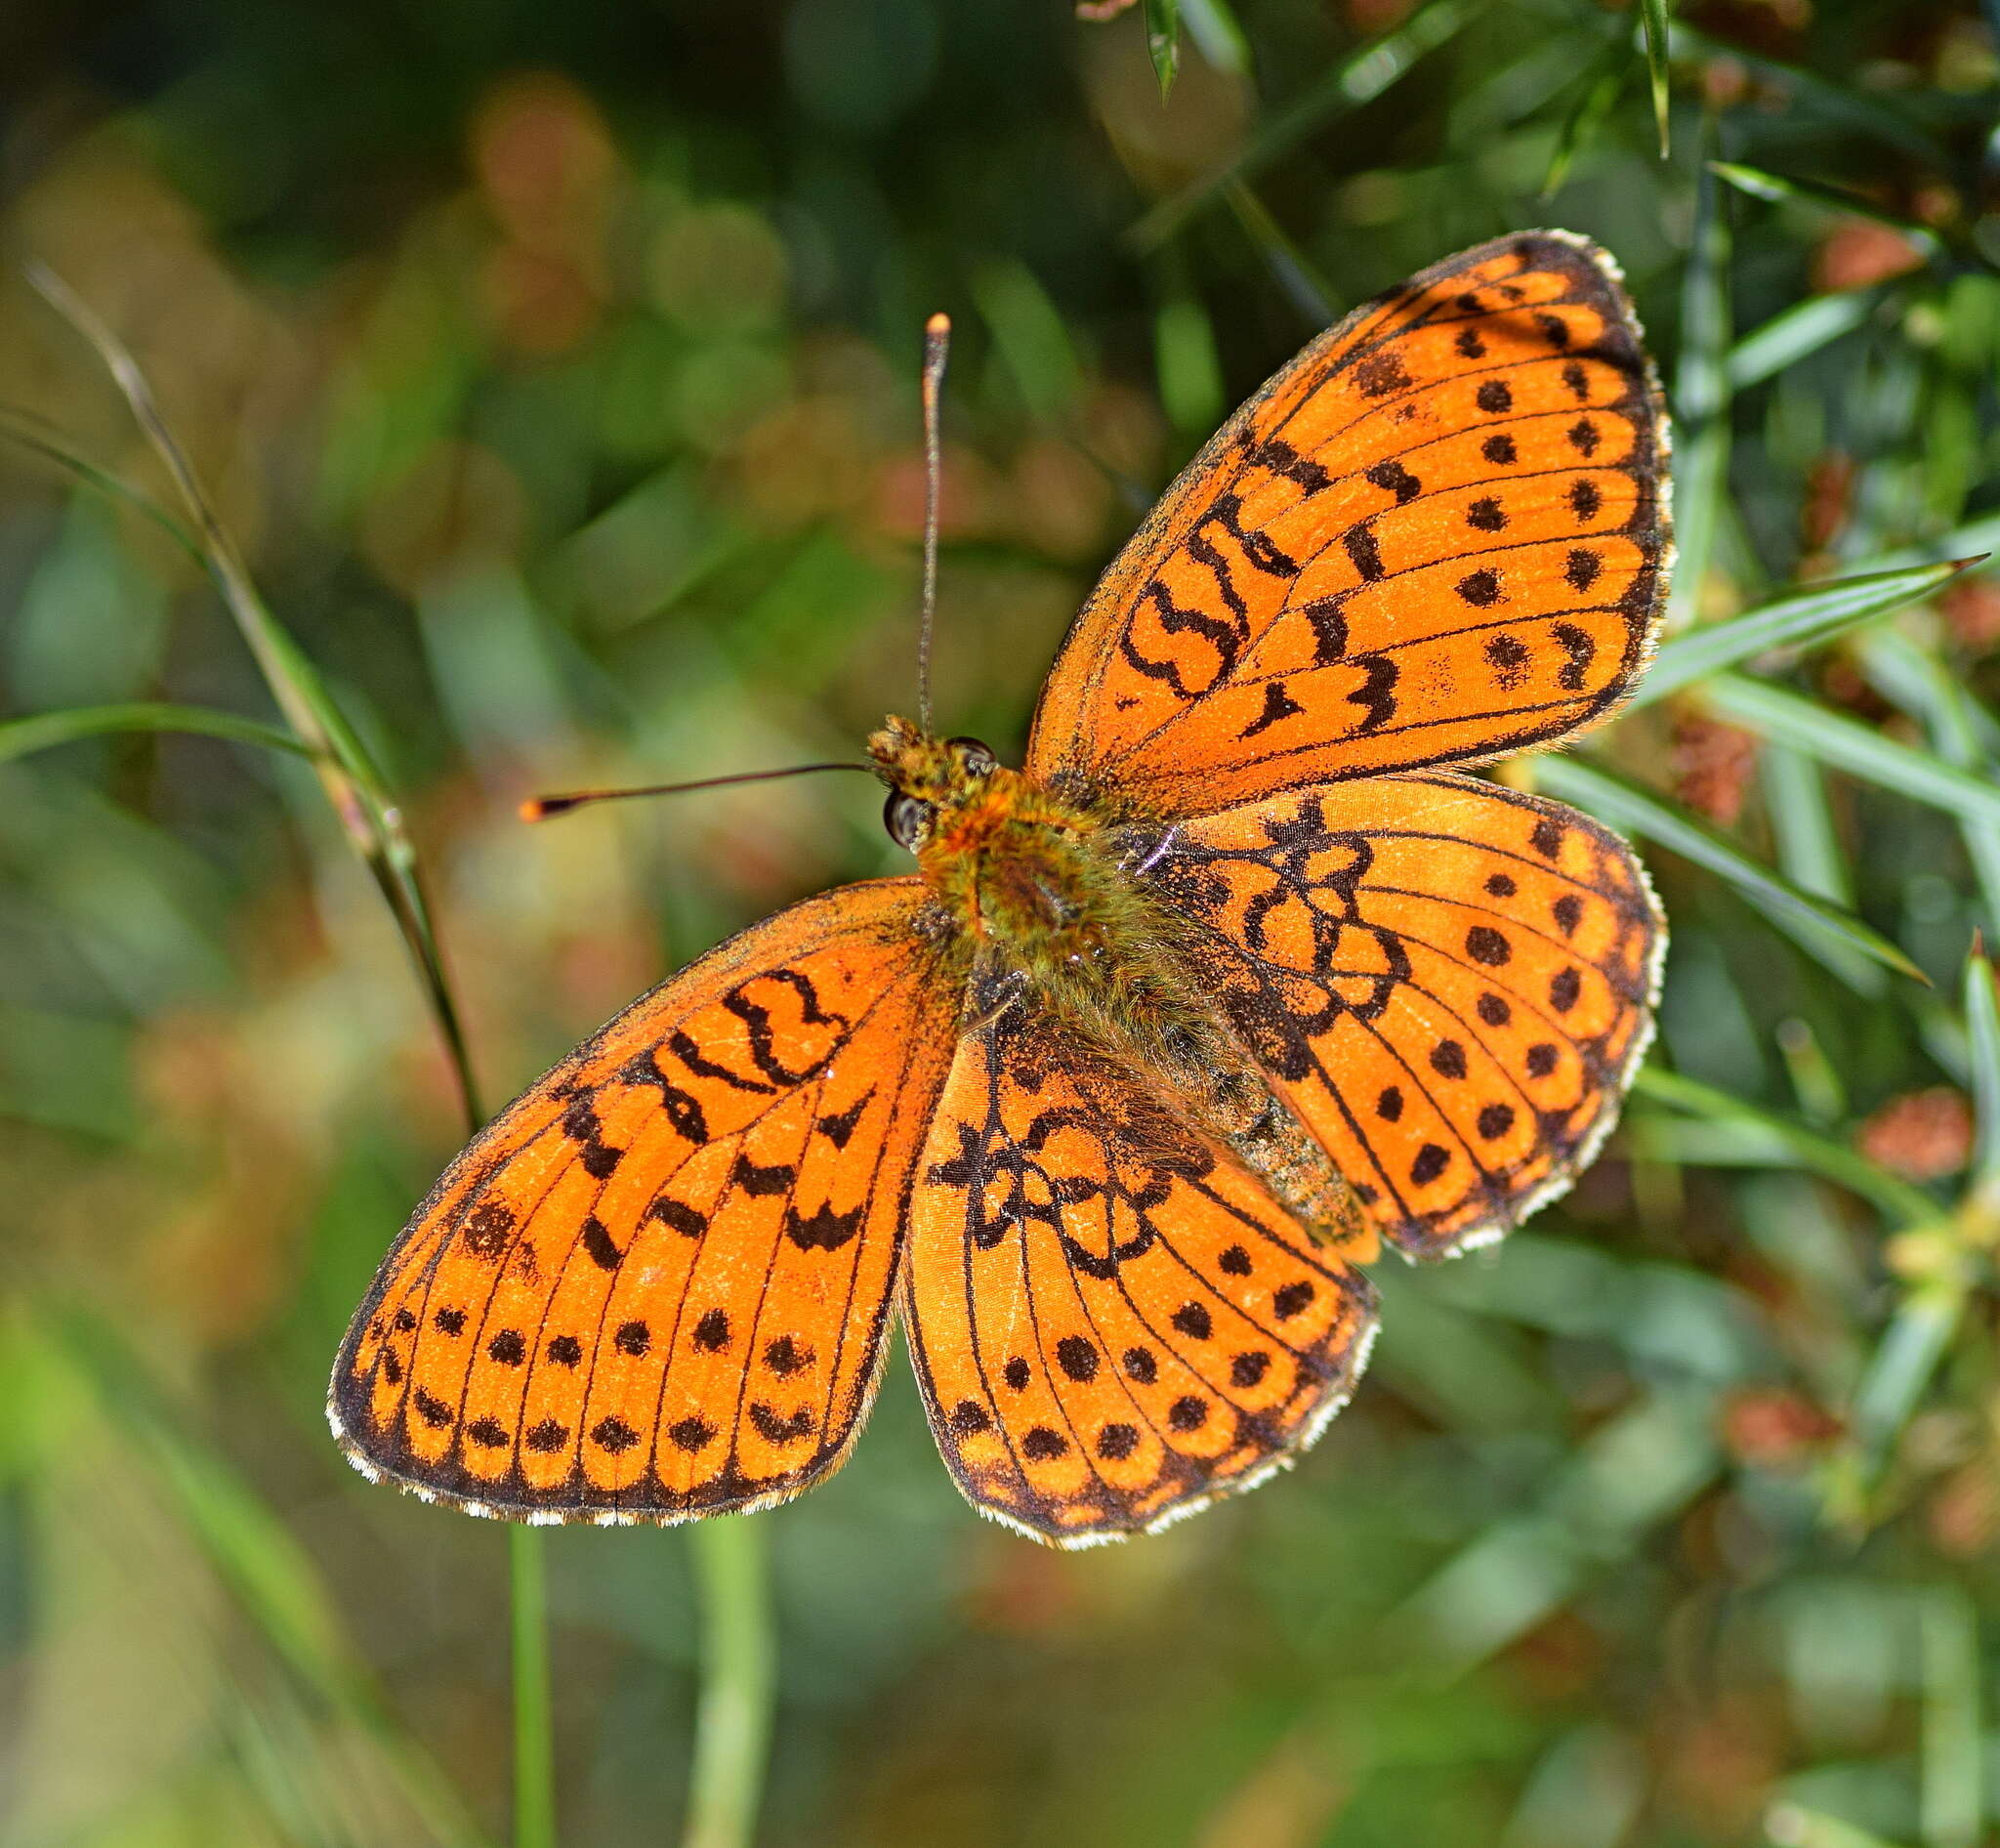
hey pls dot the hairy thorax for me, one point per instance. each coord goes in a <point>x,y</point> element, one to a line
<point>1048,894</point>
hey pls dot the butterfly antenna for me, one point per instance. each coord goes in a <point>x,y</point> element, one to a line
<point>543,808</point>
<point>936,344</point>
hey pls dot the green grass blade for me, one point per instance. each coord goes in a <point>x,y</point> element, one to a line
<point>1797,1827</point>
<point>1188,367</point>
<point>24,428</point>
<point>1797,619</point>
<point>1777,188</point>
<point>1027,329</point>
<point>1952,1790</point>
<point>1588,115</point>
<point>1797,332</point>
<point>1216,31</point>
<point>1973,538</point>
<point>1163,42</point>
<point>732,1729</point>
<point>1635,1471</point>
<point>535,1756</point>
<point>1983,1035</point>
<point>1702,398</point>
<point>1653,13</point>
<point>1789,1144</point>
<point>299,692</point>
<point>1846,744</point>
<point>266,1572</point>
<point>1902,1365</point>
<point>1919,681</point>
<point>355,788</point>
<point>1637,810</point>
<point>42,731</point>
<point>1359,77</point>
<point>1870,112</point>
<point>1809,851</point>
<point>1962,732</point>
<point>371,818</point>
<point>1306,291</point>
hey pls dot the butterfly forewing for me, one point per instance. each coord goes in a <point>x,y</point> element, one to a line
<point>1112,1322</point>
<point>1439,535</point>
<point>658,1283</point>
<point>1448,982</point>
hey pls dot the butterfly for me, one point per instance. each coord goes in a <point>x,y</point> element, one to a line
<point>1240,976</point>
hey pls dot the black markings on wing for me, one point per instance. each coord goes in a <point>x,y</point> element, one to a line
<point>1277,704</point>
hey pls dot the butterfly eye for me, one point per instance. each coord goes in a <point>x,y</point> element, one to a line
<point>907,818</point>
<point>977,759</point>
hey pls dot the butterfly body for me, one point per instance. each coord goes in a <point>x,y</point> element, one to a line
<point>1239,974</point>
<point>1044,896</point>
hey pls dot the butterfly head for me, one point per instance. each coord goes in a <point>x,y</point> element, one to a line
<point>928,777</point>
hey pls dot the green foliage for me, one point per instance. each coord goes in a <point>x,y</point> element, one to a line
<point>526,398</point>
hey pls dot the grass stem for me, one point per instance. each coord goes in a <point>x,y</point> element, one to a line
<point>738,1677</point>
<point>535,1746</point>
<point>373,824</point>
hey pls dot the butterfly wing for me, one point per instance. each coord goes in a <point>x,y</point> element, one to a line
<point>1439,535</point>
<point>657,1284</point>
<point>1112,1323</point>
<point>1448,982</point>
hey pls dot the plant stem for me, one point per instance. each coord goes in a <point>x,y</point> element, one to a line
<point>739,1676</point>
<point>373,823</point>
<point>534,1752</point>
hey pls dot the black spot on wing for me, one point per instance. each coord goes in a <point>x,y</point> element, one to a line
<point>598,1245</point>
<point>1281,458</point>
<point>1376,696</point>
<point>823,1229</point>
<point>839,1126</point>
<point>1329,629</point>
<point>1382,373</point>
<point>1508,656</point>
<point>1394,479</point>
<point>1580,649</point>
<point>1277,704</point>
<point>762,1182</point>
<point>487,1228</point>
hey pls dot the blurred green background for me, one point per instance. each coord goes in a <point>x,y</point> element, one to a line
<point>555,370</point>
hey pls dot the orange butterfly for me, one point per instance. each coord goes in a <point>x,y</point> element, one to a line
<point>1234,978</point>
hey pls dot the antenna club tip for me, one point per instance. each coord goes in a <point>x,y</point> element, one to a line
<point>540,807</point>
<point>939,325</point>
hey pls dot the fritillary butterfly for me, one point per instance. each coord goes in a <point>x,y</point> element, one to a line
<point>1239,976</point>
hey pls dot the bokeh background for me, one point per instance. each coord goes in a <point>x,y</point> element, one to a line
<point>555,370</point>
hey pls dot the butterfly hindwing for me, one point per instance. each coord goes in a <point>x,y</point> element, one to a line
<point>1448,982</point>
<point>1112,1322</point>
<point>1439,535</point>
<point>658,1283</point>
